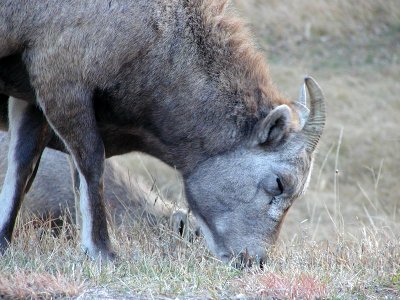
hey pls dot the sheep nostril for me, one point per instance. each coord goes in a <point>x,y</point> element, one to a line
<point>271,201</point>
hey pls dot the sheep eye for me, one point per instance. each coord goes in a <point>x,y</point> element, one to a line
<point>280,185</point>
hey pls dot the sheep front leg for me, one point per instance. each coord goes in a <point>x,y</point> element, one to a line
<point>70,114</point>
<point>29,134</point>
<point>75,189</point>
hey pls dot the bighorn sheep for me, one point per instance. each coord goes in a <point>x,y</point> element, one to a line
<point>178,79</point>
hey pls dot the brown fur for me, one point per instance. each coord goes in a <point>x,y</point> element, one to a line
<point>230,53</point>
<point>221,47</point>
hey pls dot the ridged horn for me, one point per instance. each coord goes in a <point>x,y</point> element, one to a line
<point>315,124</point>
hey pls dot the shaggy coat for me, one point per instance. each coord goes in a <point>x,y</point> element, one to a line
<point>158,50</point>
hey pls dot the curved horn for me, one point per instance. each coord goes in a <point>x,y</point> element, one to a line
<point>301,106</point>
<point>316,121</point>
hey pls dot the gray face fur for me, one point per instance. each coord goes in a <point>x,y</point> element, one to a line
<point>240,198</point>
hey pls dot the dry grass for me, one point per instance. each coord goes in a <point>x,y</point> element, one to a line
<point>155,263</point>
<point>346,267</point>
<point>25,285</point>
<point>341,241</point>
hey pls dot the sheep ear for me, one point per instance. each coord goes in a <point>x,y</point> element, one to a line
<point>273,129</point>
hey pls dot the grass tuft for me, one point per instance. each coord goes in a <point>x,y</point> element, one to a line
<point>21,284</point>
